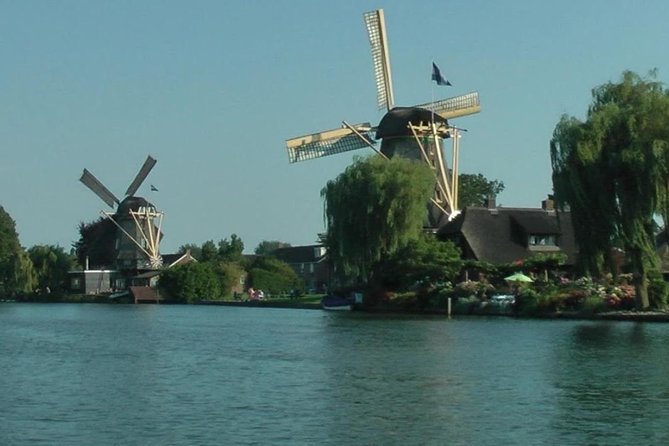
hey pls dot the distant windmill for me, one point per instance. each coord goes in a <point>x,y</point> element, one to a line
<point>137,221</point>
<point>414,132</point>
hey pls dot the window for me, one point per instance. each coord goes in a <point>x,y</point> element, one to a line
<point>542,240</point>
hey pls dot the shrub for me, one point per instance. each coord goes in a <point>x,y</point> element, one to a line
<point>593,304</point>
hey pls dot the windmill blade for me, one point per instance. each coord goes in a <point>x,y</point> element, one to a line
<point>330,142</point>
<point>464,105</point>
<point>376,30</point>
<point>141,175</point>
<point>98,188</point>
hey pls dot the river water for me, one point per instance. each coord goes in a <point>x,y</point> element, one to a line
<point>85,374</point>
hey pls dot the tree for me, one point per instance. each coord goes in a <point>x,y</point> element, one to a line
<point>267,247</point>
<point>231,250</point>
<point>16,272</point>
<point>208,251</point>
<point>475,189</point>
<point>273,275</point>
<point>612,171</point>
<point>228,273</point>
<point>96,243</point>
<point>51,265</point>
<point>375,207</point>
<point>190,282</point>
<point>424,260</point>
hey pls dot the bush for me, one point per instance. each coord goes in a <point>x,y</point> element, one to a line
<point>191,282</point>
<point>593,304</point>
<point>466,305</point>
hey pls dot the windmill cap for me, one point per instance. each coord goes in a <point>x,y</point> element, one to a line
<point>132,204</point>
<point>396,121</point>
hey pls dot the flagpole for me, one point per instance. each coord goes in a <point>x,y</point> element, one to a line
<point>432,102</point>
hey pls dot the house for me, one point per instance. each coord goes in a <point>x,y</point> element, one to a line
<point>95,281</point>
<point>309,263</point>
<point>501,235</point>
<point>101,281</point>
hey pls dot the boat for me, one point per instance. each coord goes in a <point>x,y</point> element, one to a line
<point>333,302</point>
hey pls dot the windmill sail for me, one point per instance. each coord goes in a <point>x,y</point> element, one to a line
<point>464,105</point>
<point>376,30</point>
<point>98,188</point>
<point>329,142</point>
<point>141,175</point>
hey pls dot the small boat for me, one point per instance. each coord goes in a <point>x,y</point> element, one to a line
<point>333,302</point>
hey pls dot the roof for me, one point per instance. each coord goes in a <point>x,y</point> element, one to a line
<point>175,259</point>
<point>396,121</point>
<point>300,254</point>
<point>500,235</point>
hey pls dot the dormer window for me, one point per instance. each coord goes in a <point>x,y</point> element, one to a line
<point>542,240</point>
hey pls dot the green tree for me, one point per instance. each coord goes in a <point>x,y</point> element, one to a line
<point>375,207</point>
<point>612,171</point>
<point>228,274</point>
<point>96,243</point>
<point>208,251</point>
<point>16,271</point>
<point>474,189</point>
<point>190,282</point>
<point>51,265</point>
<point>424,260</point>
<point>273,275</point>
<point>267,247</point>
<point>231,250</point>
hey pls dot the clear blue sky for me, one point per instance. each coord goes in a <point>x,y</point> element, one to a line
<point>212,89</point>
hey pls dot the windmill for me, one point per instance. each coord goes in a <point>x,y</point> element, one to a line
<point>415,132</point>
<point>138,223</point>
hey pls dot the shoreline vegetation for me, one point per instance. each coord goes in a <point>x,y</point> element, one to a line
<point>312,302</point>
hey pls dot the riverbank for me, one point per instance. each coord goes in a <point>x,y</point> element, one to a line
<point>313,303</point>
<point>295,304</point>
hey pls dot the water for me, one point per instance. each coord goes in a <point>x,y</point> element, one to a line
<point>178,375</point>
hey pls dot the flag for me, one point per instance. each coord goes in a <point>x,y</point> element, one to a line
<point>437,77</point>
<point>154,188</point>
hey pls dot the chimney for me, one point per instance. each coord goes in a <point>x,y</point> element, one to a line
<point>548,204</point>
<point>490,202</point>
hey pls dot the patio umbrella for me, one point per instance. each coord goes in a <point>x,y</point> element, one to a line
<point>518,277</point>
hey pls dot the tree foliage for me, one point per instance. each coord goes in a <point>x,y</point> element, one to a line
<point>375,207</point>
<point>190,282</point>
<point>96,242</point>
<point>51,265</point>
<point>612,170</point>
<point>267,247</point>
<point>474,189</point>
<point>273,275</point>
<point>231,250</point>
<point>16,271</point>
<point>425,260</point>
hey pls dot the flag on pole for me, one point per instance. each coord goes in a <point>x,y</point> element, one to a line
<point>437,77</point>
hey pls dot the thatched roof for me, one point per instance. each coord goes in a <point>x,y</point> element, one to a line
<point>500,235</point>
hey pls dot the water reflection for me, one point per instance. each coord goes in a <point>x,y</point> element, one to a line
<point>612,382</point>
<point>197,375</point>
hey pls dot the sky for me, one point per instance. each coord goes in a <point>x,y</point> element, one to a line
<point>212,89</point>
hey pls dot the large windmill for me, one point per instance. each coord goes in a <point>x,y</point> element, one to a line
<point>415,132</point>
<point>138,223</point>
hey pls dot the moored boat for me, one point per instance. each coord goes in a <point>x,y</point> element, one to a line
<point>336,303</point>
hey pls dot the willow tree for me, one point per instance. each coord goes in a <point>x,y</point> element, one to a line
<point>612,171</point>
<point>16,269</point>
<point>375,207</point>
